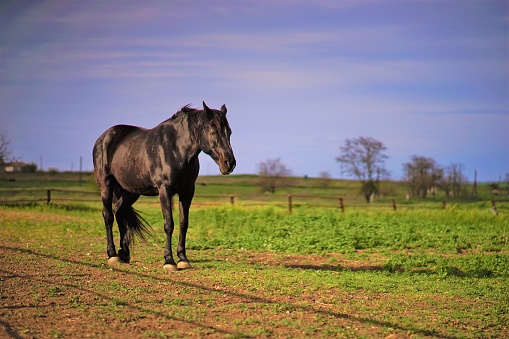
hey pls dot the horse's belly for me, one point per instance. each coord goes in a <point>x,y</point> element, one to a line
<point>135,183</point>
<point>151,191</point>
<point>138,187</point>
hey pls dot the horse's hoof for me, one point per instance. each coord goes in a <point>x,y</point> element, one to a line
<point>170,268</point>
<point>182,265</point>
<point>113,261</point>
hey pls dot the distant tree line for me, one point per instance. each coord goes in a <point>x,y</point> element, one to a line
<point>424,176</point>
<point>364,159</point>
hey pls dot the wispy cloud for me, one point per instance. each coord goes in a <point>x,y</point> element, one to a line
<point>413,75</point>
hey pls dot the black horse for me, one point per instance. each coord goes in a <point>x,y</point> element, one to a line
<point>130,161</point>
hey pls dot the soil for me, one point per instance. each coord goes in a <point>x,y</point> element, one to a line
<point>53,296</point>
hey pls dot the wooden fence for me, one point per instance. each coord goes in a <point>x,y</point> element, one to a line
<point>31,196</point>
<point>48,196</point>
<point>341,203</point>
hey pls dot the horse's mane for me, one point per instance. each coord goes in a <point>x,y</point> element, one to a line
<point>193,115</point>
<point>187,108</point>
<point>184,110</point>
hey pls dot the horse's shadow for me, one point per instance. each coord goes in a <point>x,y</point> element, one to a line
<point>337,268</point>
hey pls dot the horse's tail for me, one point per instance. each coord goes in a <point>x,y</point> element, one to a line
<point>135,225</point>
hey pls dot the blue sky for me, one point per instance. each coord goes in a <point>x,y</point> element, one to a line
<point>429,78</point>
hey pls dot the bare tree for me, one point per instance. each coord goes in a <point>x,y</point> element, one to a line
<point>273,174</point>
<point>453,179</point>
<point>5,152</point>
<point>422,174</point>
<point>325,179</point>
<point>364,159</point>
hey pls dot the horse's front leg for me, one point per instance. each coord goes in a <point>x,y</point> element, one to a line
<point>165,197</point>
<point>184,205</point>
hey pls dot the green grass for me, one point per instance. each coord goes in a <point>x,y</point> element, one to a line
<point>439,260</point>
<point>321,231</point>
<point>265,272</point>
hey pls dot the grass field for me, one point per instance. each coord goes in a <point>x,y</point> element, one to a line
<point>260,271</point>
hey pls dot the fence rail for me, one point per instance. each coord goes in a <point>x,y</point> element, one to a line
<point>21,196</point>
<point>48,196</point>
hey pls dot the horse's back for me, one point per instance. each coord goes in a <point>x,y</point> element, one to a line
<point>108,143</point>
<point>121,153</point>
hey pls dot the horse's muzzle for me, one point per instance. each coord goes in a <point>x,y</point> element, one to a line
<point>227,164</point>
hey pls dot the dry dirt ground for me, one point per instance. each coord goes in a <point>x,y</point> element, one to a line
<point>55,296</point>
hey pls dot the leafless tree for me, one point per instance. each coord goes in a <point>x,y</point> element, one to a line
<point>5,152</point>
<point>325,179</point>
<point>364,159</point>
<point>273,174</point>
<point>453,180</point>
<point>422,174</point>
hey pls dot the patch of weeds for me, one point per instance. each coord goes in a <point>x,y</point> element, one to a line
<point>54,333</point>
<point>176,302</point>
<point>502,306</point>
<point>40,314</point>
<point>333,261</point>
<point>259,332</point>
<point>203,332</point>
<point>36,297</point>
<point>110,286</point>
<point>118,302</point>
<point>335,332</point>
<point>155,334</point>
<point>487,266</point>
<point>221,319</point>
<point>206,301</point>
<point>394,265</point>
<point>237,335</point>
<point>243,307</point>
<point>75,301</point>
<point>187,313</point>
<point>284,308</point>
<point>450,272</point>
<point>55,290</point>
<point>246,321</point>
<point>139,316</point>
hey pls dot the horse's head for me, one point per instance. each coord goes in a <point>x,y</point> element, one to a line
<point>215,138</point>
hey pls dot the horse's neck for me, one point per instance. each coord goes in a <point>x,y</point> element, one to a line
<point>177,132</point>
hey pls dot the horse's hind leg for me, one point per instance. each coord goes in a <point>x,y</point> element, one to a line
<point>122,207</point>
<point>106,187</point>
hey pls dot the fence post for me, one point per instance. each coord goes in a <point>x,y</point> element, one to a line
<point>393,204</point>
<point>290,203</point>
<point>232,199</point>
<point>48,196</point>
<point>341,205</point>
<point>494,207</point>
<point>444,205</point>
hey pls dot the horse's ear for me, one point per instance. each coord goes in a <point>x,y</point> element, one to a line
<point>223,109</point>
<point>207,110</point>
